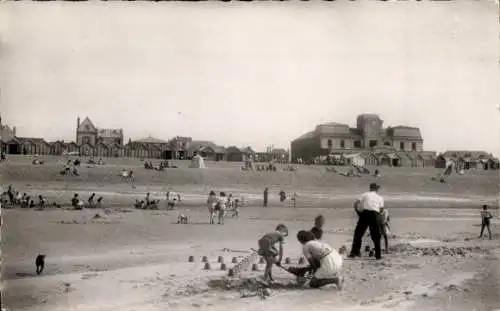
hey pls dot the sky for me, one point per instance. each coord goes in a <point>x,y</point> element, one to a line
<point>252,73</point>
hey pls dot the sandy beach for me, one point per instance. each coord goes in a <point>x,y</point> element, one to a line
<point>120,258</point>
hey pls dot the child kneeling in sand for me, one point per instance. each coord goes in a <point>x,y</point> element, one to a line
<point>268,250</point>
<point>325,263</point>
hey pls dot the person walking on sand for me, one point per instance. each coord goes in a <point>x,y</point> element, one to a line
<point>91,200</point>
<point>266,195</point>
<point>368,208</point>
<point>267,249</point>
<point>485,221</point>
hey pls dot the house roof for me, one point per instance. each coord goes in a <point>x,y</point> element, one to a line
<point>110,133</point>
<point>36,141</point>
<point>196,145</point>
<point>306,135</point>
<point>474,154</point>
<point>84,123</point>
<point>404,132</point>
<point>151,140</point>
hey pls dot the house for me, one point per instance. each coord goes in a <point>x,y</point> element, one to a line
<point>368,135</point>
<point>87,132</point>
<point>179,146</point>
<point>158,148</point>
<point>235,154</point>
<point>492,164</point>
<point>12,146</point>
<point>207,149</point>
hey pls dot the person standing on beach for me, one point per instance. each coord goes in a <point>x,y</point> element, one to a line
<point>266,195</point>
<point>384,227</point>
<point>368,208</point>
<point>485,221</point>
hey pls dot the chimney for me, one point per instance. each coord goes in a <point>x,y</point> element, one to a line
<point>77,122</point>
<point>14,131</point>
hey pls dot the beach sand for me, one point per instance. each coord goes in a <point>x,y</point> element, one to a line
<point>128,259</point>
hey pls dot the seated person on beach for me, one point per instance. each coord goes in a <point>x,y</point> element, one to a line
<point>75,200</point>
<point>32,204</point>
<point>267,249</point>
<point>325,263</point>
<point>317,230</point>
<point>42,201</point>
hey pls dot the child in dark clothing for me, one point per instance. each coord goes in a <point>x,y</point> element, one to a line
<point>317,230</point>
<point>485,221</point>
<point>268,250</point>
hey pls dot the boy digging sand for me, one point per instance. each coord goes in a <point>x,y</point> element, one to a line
<point>268,250</point>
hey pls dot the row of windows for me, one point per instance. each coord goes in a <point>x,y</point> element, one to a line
<point>372,143</point>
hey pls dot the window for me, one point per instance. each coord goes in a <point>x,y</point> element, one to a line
<point>387,143</point>
<point>342,143</point>
<point>373,143</point>
<point>357,144</point>
<point>414,146</point>
<point>330,143</point>
<point>401,146</point>
<point>87,127</point>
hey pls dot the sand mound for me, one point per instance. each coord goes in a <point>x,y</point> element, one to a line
<point>249,284</point>
<point>410,250</point>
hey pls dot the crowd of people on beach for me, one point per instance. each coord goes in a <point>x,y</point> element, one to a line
<point>219,205</point>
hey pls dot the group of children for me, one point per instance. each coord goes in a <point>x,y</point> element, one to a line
<point>325,262</point>
<point>218,205</point>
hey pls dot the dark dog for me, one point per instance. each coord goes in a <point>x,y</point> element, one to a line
<point>40,263</point>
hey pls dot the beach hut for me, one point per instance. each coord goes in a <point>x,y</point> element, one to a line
<point>197,162</point>
<point>355,159</point>
<point>404,159</point>
<point>86,150</point>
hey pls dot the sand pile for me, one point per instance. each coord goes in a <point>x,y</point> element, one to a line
<point>410,250</point>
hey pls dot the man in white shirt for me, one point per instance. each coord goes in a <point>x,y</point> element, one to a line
<point>368,209</point>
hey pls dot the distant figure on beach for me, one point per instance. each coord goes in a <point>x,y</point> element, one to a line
<point>384,227</point>
<point>99,202</point>
<point>41,201</point>
<point>40,263</point>
<point>211,202</point>
<point>317,230</point>
<point>267,249</point>
<point>220,207</point>
<point>173,199</point>
<point>91,200</point>
<point>485,221</point>
<point>282,195</point>
<point>368,208</point>
<point>266,196</point>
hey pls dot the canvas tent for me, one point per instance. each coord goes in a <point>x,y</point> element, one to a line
<point>197,162</point>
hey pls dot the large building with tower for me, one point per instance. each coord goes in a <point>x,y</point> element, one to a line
<point>369,135</point>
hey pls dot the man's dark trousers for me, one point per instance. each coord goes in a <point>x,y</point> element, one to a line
<point>367,219</point>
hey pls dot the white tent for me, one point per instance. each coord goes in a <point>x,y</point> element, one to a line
<point>197,162</point>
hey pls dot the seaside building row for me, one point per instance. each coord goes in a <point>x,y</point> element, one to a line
<point>92,141</point>
<point>369,144</point>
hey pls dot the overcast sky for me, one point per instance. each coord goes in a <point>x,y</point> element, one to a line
<point>255,73</point>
